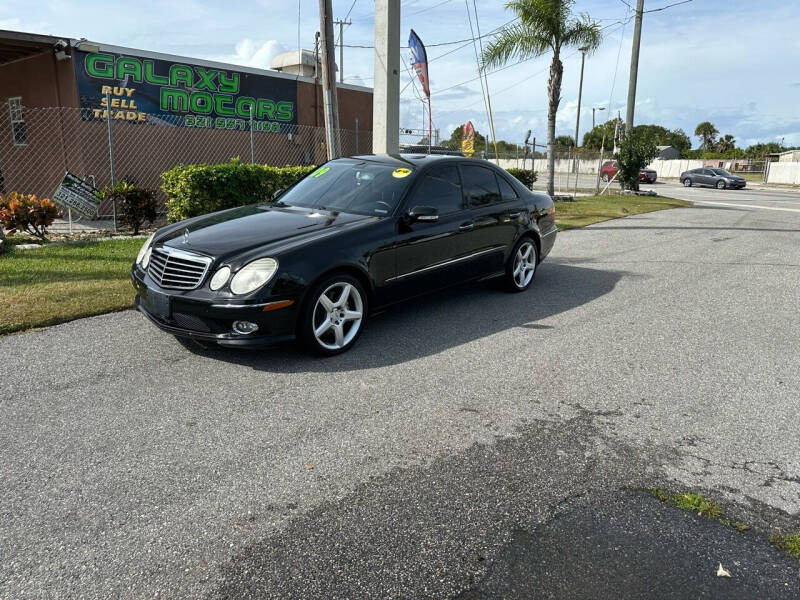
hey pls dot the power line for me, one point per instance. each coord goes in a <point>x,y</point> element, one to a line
<point>668,6</point>
<point>477,61</point>
<point>518,63</point>
<point>338,39</point>
<point>465,41</point>
<point>480,69</point>
<point>429,8</point>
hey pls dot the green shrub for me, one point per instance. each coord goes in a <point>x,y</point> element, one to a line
<point>526,176</point>
<point>136,204</point>
<point>194,190</point>
<point>635,153</point>
<point>27,213</point>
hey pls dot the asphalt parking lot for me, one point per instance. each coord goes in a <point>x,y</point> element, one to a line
<point>661,349</point>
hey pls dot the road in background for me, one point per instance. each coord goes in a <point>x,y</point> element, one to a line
<point>661,349</point>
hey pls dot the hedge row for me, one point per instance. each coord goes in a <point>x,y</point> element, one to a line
<point>526,176</point>
<point>194,190</point>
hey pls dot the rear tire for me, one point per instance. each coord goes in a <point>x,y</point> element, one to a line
<point>604,177</point>
<point>687,182</point>
<point>333,315</point>
<point>521,266</point>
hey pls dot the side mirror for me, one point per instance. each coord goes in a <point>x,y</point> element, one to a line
<point>423,214</point>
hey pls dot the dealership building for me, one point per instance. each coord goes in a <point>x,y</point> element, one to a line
<point>98,110</point>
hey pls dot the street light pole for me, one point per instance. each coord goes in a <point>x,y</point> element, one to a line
<point>594,109</point>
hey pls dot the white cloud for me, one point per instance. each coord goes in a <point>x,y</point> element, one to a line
<point>253,53</point>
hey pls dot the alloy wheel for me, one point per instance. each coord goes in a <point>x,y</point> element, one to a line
<point>337,316</point>
<point>524,264</point>
<point>687,182</point>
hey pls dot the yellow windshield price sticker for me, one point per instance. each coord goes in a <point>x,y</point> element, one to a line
<point>401,172</point>
<point>320,171</point>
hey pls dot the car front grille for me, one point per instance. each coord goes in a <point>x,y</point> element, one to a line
<point>177,269</point>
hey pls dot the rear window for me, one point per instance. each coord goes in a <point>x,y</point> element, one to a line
<point>480,185</point>
<point>360,187</point>
<point>506,191</point>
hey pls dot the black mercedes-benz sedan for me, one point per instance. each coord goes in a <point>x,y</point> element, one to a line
<point>355,235</point>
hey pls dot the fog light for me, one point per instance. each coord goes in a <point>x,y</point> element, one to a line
<point>244,327</point>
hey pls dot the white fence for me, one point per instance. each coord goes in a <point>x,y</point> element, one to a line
<point>778,172</point>
<point>664,168</point>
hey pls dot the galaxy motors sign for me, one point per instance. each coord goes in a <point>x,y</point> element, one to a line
<point>151,90</point>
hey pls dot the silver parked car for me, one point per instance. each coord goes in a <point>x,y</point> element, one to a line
<point>718,178</point>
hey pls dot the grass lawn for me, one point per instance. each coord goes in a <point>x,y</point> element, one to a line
<point>54,284</point>
<point>586,210</point>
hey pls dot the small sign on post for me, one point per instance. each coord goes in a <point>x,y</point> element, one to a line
<point>73,193</point>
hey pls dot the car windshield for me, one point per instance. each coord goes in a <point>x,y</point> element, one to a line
<point>722,172</point>
<point>359,187</point>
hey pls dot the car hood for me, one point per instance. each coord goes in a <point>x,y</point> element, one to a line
<point>242,229</point>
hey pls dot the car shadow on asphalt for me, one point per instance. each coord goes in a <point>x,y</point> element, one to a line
<point>431,324</point>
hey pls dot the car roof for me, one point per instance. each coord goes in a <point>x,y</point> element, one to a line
<point>414,160</point>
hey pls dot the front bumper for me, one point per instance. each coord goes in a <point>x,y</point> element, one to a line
<point>211,321</point>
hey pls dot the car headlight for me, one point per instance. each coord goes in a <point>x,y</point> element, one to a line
<point>220,278</point>
<point>253,275</point>
<point>144,254</point>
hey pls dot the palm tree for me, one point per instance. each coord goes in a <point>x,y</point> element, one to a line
<point>543,26</point>
<point>726,143</point>
<point>707,134</point>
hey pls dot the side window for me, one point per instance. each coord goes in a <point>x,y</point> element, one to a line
<point>18,131</point>
<point>440,188</point>
<point>480,185</point>
<point>507,192</point>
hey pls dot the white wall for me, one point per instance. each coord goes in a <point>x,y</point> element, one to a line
<point>664,168</point>
<point>540,165</point>
<point>784,172</point>
<point>674,168</point>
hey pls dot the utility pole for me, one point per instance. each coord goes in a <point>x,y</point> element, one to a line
<point>341,25</point>
<point>386,92</point>
<point>329,79</point>
<point>637,39</point>
<point>578,117</point>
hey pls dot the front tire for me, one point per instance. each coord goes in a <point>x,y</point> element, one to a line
<point>605,178</point>
<point>721,185</point>
<point>333,316</point>
<point>687,182</point>
<point>521,266</point>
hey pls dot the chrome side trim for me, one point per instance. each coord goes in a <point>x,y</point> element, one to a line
<point>444,264</point>
<point>551,232</point>
<point>259,305</point>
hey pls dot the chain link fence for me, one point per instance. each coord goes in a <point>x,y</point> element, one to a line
<point>36,151</point>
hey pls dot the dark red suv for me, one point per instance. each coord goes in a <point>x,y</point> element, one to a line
<point>610,168</point>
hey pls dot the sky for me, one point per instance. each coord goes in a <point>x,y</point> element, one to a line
<point>731,62</point>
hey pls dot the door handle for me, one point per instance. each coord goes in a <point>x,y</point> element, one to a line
<point>466,226</point>
<point>514,215</point>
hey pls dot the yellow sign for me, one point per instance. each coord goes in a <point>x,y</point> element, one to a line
<point>468,139</point>
<point>401,172</point>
